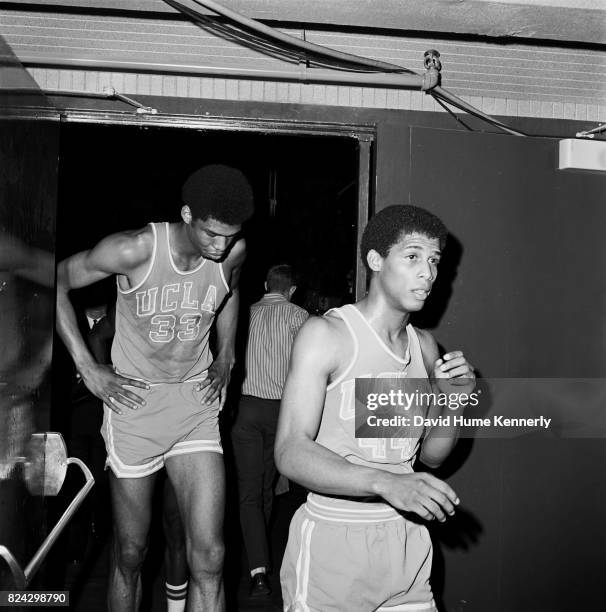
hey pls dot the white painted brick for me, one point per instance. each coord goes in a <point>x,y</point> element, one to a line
<point>169,85</point>
<point>500,106</point>
<point>356,96</point>
<point>332,95</point>
<point>282,92</point>
<point>295,93</point>
<point>476,101</point>
<point>155,85</point>
<point>381,98</point>
<point>512,107</point>
<point>592,112</point>
<point>66,79</point>
<point>231,89</point>
<point>319,94</point>
<point>144,84</point>
<point>368,97</point>
<point>547,110</point>
<point>307,93</point>
<point>416,100</point>
<point>404,99</point>
<point>428,102</point>
<point>182,86</point>
<point>117,81</point>
<point>38,75</point>
<point>391,100</point>
<point>343,96</point>
<point>489,106</point>
<point>130,83</point>
<point>207,88</point>
<point>569,110</point>
<point>581,112</point>
<point>524,108</point>
<point>244,90</point>
<point>270,91</point>
<point>52,79</point>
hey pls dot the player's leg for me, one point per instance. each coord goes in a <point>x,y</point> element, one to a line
<point>198,480</point>
<point>175,560</point>
<point>247,440</point>
<point>131,507</point>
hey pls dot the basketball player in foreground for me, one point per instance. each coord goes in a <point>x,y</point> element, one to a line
<point>172,280</point>
<point>350,548</point>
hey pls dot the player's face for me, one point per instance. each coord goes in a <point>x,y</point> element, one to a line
<point>408,272</point>
<point>213,238</point>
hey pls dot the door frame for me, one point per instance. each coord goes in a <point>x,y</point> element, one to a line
<point>364,134</point>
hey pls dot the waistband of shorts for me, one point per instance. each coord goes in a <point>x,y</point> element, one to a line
<point>346,511</point>
<point>198,378</point>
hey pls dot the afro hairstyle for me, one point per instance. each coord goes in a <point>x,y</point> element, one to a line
<point>219,191</point>
<point>389,225</point>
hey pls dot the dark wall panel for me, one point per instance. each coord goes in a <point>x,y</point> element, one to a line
<point>523,293</point>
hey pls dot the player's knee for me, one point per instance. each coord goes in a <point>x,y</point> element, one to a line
<point>206,559</point>
<point>130,555</point>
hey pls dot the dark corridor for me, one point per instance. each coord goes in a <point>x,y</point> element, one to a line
<point>114,178</point>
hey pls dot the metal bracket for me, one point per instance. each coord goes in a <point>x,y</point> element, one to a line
<point>433,65</point>
<point>592,133</point>
<point>108,93</point>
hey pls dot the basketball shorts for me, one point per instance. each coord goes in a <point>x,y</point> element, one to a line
<point>172,422</point>
<point>345,556</point>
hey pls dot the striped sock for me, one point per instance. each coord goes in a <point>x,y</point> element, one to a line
<point>176,597</point>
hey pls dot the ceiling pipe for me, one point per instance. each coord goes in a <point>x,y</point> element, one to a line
<point>302,75</point>
<point>431,79</point>
<point>446,96</point>
<point>292,41</point>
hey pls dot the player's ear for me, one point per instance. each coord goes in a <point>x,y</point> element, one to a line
<point>291,291</point>
<point>265,285</point>
<point>374,260</point>
<point>186,214</point>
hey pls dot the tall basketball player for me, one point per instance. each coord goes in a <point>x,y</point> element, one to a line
<point>350,546</point>
<point>162,398</point>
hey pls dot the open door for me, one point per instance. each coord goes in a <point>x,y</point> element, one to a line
<point>29,147</point>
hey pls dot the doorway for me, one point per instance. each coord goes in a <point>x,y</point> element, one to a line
<point>308,209</point>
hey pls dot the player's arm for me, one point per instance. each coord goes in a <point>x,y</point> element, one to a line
<point>451,374</point>
<point>219,372</point>
<point>26,261</point>
<point>314,359</point>
<point>117,254</point>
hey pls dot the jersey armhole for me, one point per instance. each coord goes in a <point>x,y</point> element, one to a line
<point>342,377</point>
<point>227,287</point>
<point>417,343</point>
<point>149,269</point>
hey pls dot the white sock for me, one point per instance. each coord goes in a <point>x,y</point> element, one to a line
<point>258,570</point>
<point>176,597</point>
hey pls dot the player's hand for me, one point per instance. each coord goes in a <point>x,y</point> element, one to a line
<point>111,388</point>
<point>421,493</point>
<point>453,370</point>
<point>214,386</point>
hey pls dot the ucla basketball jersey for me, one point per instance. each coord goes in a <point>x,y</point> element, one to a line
<point>371,358</point>
<point>163,324</point>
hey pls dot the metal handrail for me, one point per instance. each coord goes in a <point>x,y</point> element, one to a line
<point>23,578</point>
